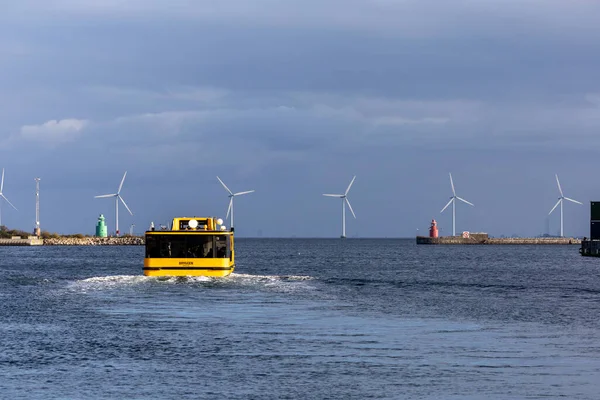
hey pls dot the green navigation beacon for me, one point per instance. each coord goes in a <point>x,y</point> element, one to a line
<point>101,227</point>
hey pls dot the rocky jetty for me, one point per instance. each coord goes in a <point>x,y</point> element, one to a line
<point>95,241</point>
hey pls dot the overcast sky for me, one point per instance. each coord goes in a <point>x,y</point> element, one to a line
<point>293,98</point>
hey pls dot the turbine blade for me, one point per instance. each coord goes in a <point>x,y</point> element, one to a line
<point>229,208</point>
<point>225,186</point>
<point>463,200</point>
<point>556,205</point>
<point>334,195</point>
<point>559,188</point>
<point>446,206</point>
<point>349,186</point>
<point>2,183</point>
<point>452,184</point>
<point>350,207</point>
<point>125,204</point>
<point>574,201</point>
<point>122,180</point>
<point>241,193</point>
<point>4,197</point>
<point>106,195</point>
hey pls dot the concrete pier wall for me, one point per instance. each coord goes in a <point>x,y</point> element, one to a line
<point>533,241</point>
<point>21,242</point>
<point>447,240</point>
<point>496,241</point>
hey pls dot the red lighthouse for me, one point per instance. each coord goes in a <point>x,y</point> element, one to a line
<point>433,230</point>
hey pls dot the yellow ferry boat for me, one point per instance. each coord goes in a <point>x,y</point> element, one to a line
<point>194,246</point>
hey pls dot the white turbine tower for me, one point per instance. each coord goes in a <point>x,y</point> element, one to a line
<point>37,230</point>
<point>345,200</point>
<point>117,197</point>
<point>2,196</point>
<point>231,196</point>
<point>453,201</point>
<point>560,201</point>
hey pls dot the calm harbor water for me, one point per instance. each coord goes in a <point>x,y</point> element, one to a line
<point>324,319</point>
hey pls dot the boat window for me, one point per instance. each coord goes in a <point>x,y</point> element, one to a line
<point>152,246</point>
<point>200,246</point>
<point>179,246</point>
<point>222,246</point>
<point>184,224</point>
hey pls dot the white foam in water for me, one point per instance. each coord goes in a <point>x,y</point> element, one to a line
<point>280,282</point>
<point>128,280</point>
<point>116,278</point>
<point>271,277</point>
<point>111,281</point>
<point>284,283</point>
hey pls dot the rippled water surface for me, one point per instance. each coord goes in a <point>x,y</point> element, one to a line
<point>327,319</point>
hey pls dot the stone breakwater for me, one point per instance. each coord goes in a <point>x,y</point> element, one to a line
<point>95,241</point>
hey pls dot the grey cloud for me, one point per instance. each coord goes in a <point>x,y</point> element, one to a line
<point>53,131</point>
<point>411,18</point>
<point>270,60</point>
<point>319,122</point>
<point>477,50</point>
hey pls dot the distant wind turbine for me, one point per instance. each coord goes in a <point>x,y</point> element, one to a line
<point>231,196</point>
<point>2,196</point>
<point>560,201</point>
<point>345,201</point>
<point>453,201</point>
<point>117,197</point>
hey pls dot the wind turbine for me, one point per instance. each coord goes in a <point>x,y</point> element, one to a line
<point>3,197</point>
<point>453,201</point>
<point>344,198</point>
<point>231,196</point>
<point>560,201</point>
<point>117,197</point>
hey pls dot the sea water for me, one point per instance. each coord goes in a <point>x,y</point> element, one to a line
<point>300,319</point>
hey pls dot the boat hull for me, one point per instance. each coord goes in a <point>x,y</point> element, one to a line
<point>216,267</point>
